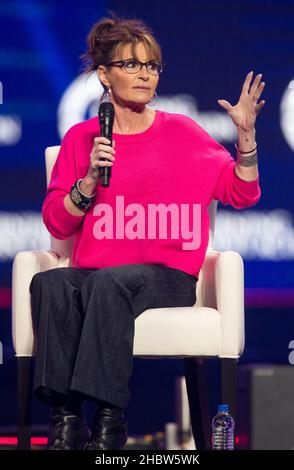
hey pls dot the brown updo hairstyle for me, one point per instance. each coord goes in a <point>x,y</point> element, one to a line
<point>109,35</point>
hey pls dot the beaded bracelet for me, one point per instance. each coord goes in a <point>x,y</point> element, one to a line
<point>247,161</point>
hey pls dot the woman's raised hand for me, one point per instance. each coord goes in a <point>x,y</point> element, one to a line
<point>244,113</point>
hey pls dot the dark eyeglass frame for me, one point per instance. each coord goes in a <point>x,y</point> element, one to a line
<point>122,63</point>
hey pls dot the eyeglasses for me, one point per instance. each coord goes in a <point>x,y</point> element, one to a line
<point>134,66</point>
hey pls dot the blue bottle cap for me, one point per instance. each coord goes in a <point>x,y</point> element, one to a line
<point>223,408</point>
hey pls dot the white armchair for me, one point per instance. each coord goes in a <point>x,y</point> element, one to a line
<point>213,327</point>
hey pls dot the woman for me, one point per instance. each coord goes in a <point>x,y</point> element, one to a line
<point>162,162</point>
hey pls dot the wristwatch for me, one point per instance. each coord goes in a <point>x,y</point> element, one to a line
<point>79,199</point>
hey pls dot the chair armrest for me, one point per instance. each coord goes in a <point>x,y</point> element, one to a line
<point>222,288</point>
<point>25,265</point>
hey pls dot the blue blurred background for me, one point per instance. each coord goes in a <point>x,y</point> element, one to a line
<point>208,48</point>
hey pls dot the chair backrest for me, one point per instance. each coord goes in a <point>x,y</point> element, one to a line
<point>64,247</point>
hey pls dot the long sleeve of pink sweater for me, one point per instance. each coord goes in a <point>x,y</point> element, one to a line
<point>155,209</point>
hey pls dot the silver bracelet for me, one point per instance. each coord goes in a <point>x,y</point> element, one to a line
<point>85,195</point>
<point>247,161</point>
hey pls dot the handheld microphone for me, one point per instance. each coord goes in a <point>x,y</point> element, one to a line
<point>106,119</point>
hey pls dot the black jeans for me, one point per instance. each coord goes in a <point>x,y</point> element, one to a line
<point>84,324</point>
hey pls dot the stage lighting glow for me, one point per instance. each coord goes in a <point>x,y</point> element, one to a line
<point>287,114</point>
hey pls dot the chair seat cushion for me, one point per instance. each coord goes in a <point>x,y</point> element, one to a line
<point>177,332</point>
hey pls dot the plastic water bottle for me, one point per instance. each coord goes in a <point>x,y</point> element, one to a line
<point>223,429</point>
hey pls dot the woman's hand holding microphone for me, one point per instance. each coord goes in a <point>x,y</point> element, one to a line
<point>101,149</point>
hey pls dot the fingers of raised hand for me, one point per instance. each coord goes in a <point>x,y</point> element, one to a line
<point>257,87</point>
<point>255,84</point>
<point>259,106</point>
<point>225,104</point>
<point>258,91</point>
<point>246,84</point>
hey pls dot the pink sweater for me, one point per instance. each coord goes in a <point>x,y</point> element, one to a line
<point>174,166</point>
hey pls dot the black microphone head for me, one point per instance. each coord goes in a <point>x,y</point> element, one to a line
<point>106,107</point>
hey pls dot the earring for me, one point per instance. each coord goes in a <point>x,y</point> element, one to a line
<point>155,96</point>
<point>108,94</point>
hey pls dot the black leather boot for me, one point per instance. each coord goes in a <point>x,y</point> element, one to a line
<point>68,430</point>
<point>109,430</point>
